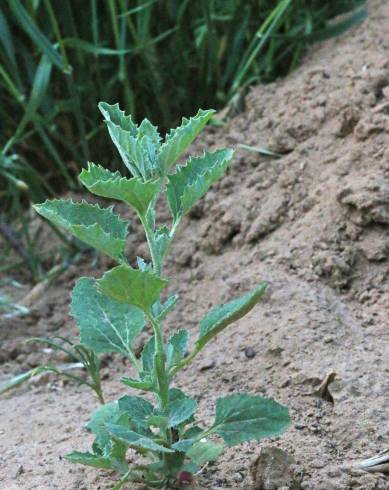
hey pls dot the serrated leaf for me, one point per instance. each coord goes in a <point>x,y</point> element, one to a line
<point>148,354</point>
<point>105,324</point>
<point>136,440</point>
<point>222,316</point>
<point>114,114</point>
<point>148,129</point>
<point>106,413</point>
<point>202,452</point>
<point>112,456</point>
<point>180,340</point>
<point>138,146</point>
<point>178,139</point>
<point>100,228</point>
<point>138,384</point>
<point>134,192</point>
<point>191,181</point>
<point>143,265</point>
<point>161,241</point>
<point>122,129</point>
<point>132,286</point>
<point>241,418</point>
<point>89,459</point>
<point>160,310</point>
<point>176,348</point>
<point>181,410</point>
<point>138,409</point>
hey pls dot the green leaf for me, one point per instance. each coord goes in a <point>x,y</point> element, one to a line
<point>21,378</point>
<point>183,445</point>
<point>148,354</point>
<point>135,440</point>
<point>176,394</point>
<point>100,228</point>
<point>222,316</point>
<point>138,409</point>
<point>138,146</point>
<point>162,241</point>
<point>105,324</point>
<point>178,140</point>
<point>160,310</point>
<point>118,117</point>
<point>134,192</point>
<point>143,265</point>
<point>335,29</point>
<point>89,459</point>
<point>181,410</point>
<point>179,341</point>
<point>102,415</point>
<point>176,348</point>
<point>159,421</point>
<point>202,452</point>
<point>132,286</point>
<point>139,384</point>
<point>111,456</point>
<point>241,418</point>
<point>190,182</point>
<point>193,432</point>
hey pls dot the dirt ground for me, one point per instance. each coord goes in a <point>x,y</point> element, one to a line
<point>314,224</point>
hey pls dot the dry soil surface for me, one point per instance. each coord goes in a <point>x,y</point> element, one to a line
<point>314,224</point>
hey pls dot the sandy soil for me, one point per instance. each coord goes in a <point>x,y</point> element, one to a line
<point>314,224</point>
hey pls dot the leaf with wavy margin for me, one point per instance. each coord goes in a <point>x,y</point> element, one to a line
<point>100,228</point>
<point>191,181</point>
<point>134,192</point>
<point>105,324</point>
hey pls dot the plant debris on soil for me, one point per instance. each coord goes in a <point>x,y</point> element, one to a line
<point>314,224</point>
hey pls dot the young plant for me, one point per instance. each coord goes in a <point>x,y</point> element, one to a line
<point>112,311</point>
<point>82,356</point>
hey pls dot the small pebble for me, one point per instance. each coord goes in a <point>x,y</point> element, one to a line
<point>249,352</point>
<point>19,471</point>
<point>207,364</point>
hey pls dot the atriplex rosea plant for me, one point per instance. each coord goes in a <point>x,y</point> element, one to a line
<point>112,310</point>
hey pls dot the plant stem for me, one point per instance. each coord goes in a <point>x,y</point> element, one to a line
<point>161,374</point>
<point>157,267</point>
<point>187,360</point>
<point>160,366</point>
<point>124,479</point>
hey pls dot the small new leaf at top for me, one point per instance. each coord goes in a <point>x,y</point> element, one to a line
<point>138,146</point>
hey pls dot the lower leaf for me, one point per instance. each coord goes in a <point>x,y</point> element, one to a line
<point>136,440</point>
<point>89,459</point>
<point>241,418</point>
<point>181,410</point>
<point>204,451</point>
